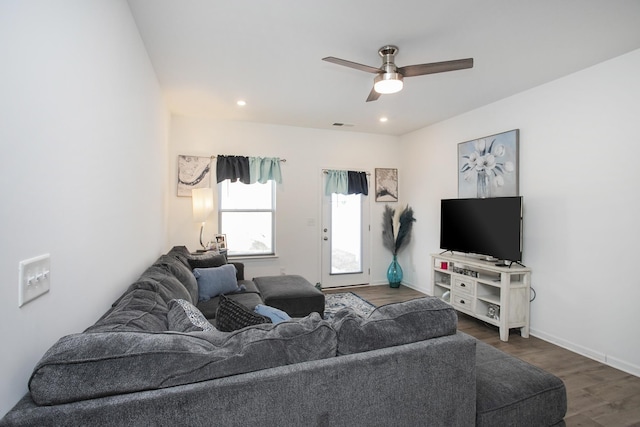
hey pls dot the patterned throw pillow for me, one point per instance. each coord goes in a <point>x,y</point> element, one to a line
<point>232,316</point>
<point>185,317</point>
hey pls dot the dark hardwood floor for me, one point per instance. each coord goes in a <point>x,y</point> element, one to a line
<point>598,395</point>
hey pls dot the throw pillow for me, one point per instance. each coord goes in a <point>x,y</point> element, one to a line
<point>207,260</point>
<point>185,317</point>
<point>272,313</point>
<point>216,281</point>
<point>232,316</point>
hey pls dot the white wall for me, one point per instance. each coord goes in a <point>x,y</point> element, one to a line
<point>298,204</point>
<point>579,174</point>
<point>83,130</point>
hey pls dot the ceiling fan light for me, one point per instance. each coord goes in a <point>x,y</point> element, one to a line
<point>386,83</point>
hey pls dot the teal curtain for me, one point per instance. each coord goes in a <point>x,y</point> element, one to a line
<point>337,181</point>
<point>263,169</point>
<point>346,182</point>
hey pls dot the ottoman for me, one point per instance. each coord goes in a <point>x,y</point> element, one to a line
<point>509,389</point>
<point>291,293</point>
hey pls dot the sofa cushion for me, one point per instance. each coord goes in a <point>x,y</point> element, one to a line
<point>509,389</point>
<point>206,260</point>
<point>185,317</point>
<point>161,280</point>
<point>181,253</point>
<point>137,310</point>
<point>216,281</point>
<point>181,272</point>
<point>394,324</point>
<point>232,316</point>
<point>87,366</point>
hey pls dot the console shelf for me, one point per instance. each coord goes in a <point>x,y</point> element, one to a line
<point>496,294</point>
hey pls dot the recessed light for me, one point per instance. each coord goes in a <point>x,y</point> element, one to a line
<point>241,103</point>
<point>383,119</point>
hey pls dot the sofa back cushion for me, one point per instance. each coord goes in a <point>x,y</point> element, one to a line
<point>206,260</point>
<point>180,271</point>
<point>181,253</point>
<point>166,284</point>
<point>394,324</point>
<point>138,310</point>
<point>91,365</point>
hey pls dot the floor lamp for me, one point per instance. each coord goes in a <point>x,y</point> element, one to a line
<point>202,199</point>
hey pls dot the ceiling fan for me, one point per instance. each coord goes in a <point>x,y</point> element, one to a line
<point>389,77</point>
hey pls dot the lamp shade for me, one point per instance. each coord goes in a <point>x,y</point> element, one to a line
<point>202,199</point>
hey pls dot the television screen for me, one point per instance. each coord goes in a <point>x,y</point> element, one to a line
<point>490,227</point>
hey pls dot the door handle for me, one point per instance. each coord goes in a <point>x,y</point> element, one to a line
<point>325,238</point>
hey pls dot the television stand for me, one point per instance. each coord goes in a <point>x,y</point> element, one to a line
<point>496,294</point>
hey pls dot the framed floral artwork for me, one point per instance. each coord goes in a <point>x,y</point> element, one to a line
<point>386,185</point>
<point>488,166</point>
<point>193,172</point>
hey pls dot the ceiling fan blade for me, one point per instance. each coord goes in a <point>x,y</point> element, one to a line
<point>435,67</point>
<point>351,64</point>
<point>373,95</point>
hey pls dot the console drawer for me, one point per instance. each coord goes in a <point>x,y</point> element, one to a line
<point>466,286</point>
<point>463,301</point>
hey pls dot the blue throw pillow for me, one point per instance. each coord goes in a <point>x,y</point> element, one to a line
<point>215,281</point>
<point>272,313</point>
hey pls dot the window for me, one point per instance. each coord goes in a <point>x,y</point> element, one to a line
<point>247,215</point>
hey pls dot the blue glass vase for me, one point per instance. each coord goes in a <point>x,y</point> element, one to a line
<point>394,273</point>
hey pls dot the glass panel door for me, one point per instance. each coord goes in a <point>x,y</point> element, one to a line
<point>345,234</point>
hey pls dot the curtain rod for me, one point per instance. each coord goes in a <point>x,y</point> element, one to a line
<point>327,171</point>
<point>282,160</point>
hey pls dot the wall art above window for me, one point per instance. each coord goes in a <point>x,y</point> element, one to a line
<point>193,172</point>
<point>488,166</point>
<point>386,185</point>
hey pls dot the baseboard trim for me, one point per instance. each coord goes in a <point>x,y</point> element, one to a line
<point>422,289</point>
<point>587,352</point>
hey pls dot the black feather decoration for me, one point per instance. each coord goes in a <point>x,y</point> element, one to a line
<point>404,232</point>
<point>406,220</point>
<point>388,238</point>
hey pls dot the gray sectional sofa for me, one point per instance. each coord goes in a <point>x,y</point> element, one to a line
<point>154,360</point>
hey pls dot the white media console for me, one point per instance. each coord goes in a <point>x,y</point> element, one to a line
<point>496,294</point>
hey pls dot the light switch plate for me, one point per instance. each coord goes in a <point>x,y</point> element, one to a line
<point>34,278</point>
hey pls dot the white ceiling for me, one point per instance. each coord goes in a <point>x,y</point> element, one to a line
<point>208,54</point>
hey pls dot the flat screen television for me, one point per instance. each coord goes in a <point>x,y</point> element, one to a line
<point>490,227</point>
